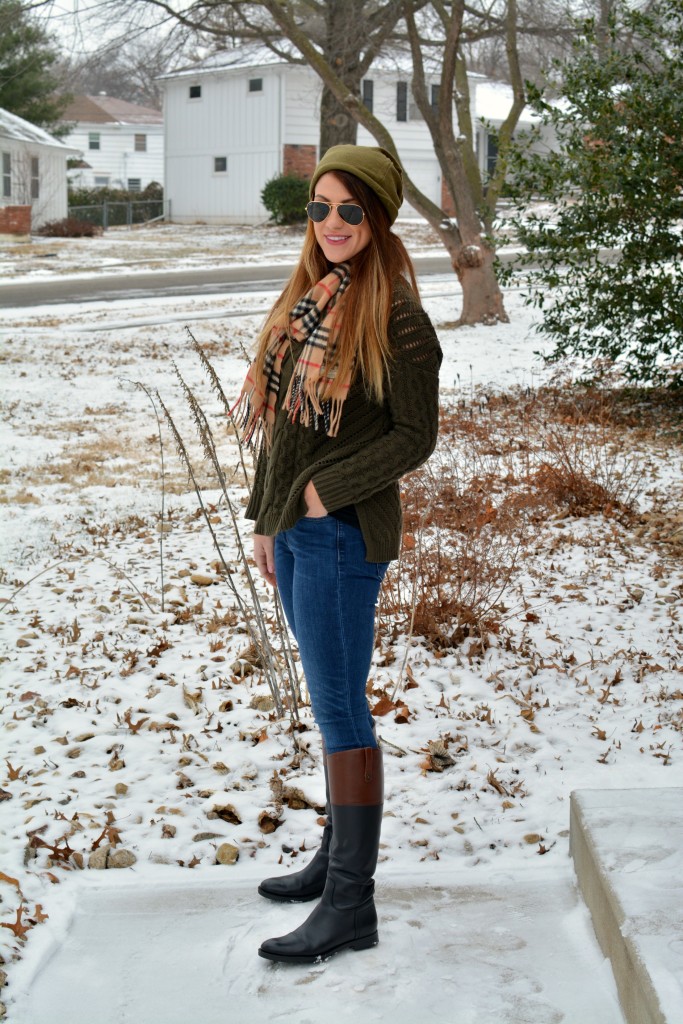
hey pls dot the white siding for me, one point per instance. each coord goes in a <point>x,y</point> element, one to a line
<point>227,121</point>
<point>51,202</point>
<point>412,140</point>
<point>252,129</point>
<point>116,158</point>
<point>302,107</point>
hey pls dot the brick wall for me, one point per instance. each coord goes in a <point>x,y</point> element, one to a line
<point>15,220</point>
<point>299,160</point>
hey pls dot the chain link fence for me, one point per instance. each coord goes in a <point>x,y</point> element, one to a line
<point>110,213</point>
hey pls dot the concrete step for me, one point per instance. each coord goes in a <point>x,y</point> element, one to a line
<point>627,847</point>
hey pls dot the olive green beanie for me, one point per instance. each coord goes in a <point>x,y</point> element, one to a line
<point>375,166</point>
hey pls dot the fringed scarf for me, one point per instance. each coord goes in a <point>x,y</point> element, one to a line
<point>314,322</point>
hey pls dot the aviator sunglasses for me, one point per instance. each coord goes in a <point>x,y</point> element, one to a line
<point>349,212</point>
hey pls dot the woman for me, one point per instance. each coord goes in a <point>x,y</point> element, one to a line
<point>342,400</point>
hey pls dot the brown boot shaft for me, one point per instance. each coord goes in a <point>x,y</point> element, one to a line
<point>356,777</point>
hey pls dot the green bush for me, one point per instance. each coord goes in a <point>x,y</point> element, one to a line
<point>88,204</point>
<point>285,198</point>
<point>603,255</point>
<point>96,196</point>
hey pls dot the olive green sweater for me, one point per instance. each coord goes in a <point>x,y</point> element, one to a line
<point>376,444</point>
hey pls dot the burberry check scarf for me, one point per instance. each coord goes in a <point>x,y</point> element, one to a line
<point>313,321</point>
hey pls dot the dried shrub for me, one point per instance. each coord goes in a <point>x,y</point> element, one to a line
<point>69,227</point>
<point>587,468</point>
<point>461,549</point>
<point>503,462</point>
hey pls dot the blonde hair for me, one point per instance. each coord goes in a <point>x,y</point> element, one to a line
<point>363,341</point>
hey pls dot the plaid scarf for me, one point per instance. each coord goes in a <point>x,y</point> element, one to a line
<point>312,321</point>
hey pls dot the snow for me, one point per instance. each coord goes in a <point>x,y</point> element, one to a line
<point>14,127</point>
<point>638,839</point>
<point>478,958</point>
<point>169,246</point>
<point>494,101</point>
<point>127,724</point>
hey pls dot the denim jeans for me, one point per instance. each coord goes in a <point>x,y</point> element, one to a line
<point>329,593</point>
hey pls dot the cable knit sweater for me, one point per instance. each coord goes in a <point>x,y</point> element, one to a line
<point>376,444</point>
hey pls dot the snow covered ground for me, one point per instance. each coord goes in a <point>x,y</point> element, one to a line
<point>150,731</point>
<point>171,246</point>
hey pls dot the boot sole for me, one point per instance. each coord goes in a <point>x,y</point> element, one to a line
<point>311,958</point>
<point>277,898</point>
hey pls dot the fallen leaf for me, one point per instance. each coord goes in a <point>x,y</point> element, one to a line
<point>268,823</point>
<point>403,715</point>
<point>14,773</point>
<point>383,707</point>
<point>229,814</point>
<point>17,927</point>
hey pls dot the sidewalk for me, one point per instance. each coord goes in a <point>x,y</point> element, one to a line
<point>520,949</point>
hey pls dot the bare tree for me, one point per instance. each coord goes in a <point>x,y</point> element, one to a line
<point>128,71</point>
<point>469,246</point>
<point>339,39</point>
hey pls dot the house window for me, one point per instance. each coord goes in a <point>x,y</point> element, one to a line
<point>406,105</point>
<point>140,143</point>
<point>220,164</point>
<point>101,180</point>
<point>401,101</point>
<point>255,85</point>
<point>195,92</point>
<point>6,175</point>
<point>93,140</point>
<point>35,177</point>
<point>134,185</point>
<point>368,91</point>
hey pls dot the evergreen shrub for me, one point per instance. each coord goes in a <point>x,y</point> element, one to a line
<point>285,198</point>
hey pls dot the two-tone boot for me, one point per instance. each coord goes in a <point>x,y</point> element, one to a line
<point>346,917</point>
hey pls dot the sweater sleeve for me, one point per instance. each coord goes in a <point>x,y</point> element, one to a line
<point>256,496</point>
<point>413,404</point>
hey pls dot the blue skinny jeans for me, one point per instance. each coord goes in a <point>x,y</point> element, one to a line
<point>329,593</point>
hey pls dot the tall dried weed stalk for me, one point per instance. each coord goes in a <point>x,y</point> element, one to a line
<point>265,625</point>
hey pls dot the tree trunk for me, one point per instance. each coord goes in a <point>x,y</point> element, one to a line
<point>337,127</point>
<point>482,299</point>
<point>343,47</point>
<point>472,260</point>
<point>471,257</point>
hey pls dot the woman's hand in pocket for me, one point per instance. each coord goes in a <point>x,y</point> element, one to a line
<point>316,509</point>
<point>264,556</point>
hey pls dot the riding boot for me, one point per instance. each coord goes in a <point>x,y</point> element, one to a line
<point>345,918</point>
<point>308,883</point>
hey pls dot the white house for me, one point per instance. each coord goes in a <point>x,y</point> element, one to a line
<point>238,119</point>
<point>121,144</point>
<point>34,183</point>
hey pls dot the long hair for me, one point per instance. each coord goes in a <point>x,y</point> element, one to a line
<point>363,342</point>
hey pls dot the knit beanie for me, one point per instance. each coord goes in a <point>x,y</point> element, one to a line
<point>375,166</point>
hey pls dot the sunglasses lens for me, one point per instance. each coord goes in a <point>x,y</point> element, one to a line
<point>318,211</point>
<point>350,214</point>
